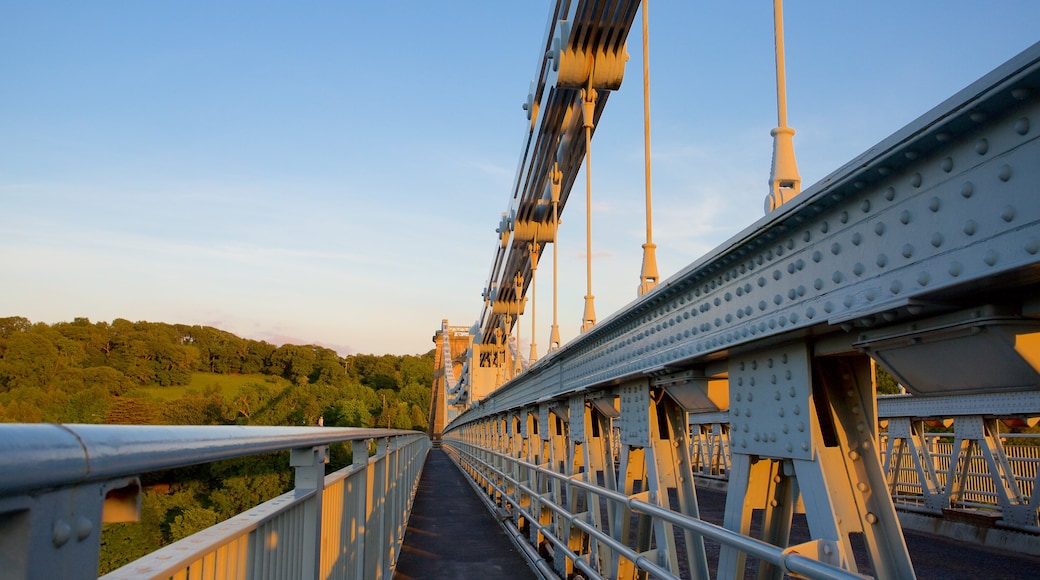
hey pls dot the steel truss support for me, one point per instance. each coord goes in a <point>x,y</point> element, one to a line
<point>521,474</point>
<point>518,450</point>
<point>655,457</point>
<point>542,485</point>
<point>577,468</point>
<point>906,438</point>
<point>559,461</point>
<point>710,449</point>
<point>975,434</point>
<point>808,425</point>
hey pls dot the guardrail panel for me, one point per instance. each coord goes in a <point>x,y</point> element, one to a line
<point>295,535</point>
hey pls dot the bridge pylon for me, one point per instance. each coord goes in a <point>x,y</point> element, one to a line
<point>452,343</point>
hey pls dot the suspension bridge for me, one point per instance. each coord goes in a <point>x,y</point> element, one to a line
<point>752,370</point>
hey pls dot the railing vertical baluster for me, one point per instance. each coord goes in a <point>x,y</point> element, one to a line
<point>374,530</point>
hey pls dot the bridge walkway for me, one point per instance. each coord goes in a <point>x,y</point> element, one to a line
<point>933,556</point>
<point>451,534</point>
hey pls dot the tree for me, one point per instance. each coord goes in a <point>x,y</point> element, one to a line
<point>108,378</point>
<point>191,520</point>
<point>347,413</point>
<point>420,417</point>
<point>417,370</point>
<point>257,357</point>
<point>194,409</point>
<point>378,372</point>
<point>250,399</point>
<point>218,351</point>
<point>29,359</point>
<point>128,411</point>
<point>886,385</point>
<point>13,324</point>
<point>328,367</point>
<point>295,363</point>
<point>418,395</point>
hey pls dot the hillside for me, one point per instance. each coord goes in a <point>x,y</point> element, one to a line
<point>157,373</point>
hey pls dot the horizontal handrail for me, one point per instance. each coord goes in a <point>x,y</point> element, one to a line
<point>785,559</point>
<point>60,483</point>
<point>47,455</point>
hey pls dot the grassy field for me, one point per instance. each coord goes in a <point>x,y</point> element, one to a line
<point>227,385</point>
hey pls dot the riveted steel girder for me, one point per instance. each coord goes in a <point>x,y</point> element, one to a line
<point>941,216</point>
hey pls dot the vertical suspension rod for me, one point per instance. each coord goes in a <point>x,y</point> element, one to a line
<point>555,183</point>
<point>588,111</point>
<point>781,74</point>
<point>648,275</point>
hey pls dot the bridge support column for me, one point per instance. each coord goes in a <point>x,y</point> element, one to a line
<point>559,461</point>
<point>535,450</point>
<point>655,449</point>
<point>813,420</point>
<point>577,468</point>
<point>540,483</point>
<point>600,464</point>
<point>980,434</point>
<point>520,473</point>
<point>906,437</point>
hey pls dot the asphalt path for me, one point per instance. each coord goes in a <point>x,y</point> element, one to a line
<point>451,535</point>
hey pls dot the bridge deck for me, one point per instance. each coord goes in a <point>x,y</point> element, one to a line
<point>933,556</point>
<point>451,534</point>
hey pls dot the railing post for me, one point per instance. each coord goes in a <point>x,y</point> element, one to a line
<point>356,505</point>
<point>375,540</point>
<point>57,534</point>
<point>309,463</point>
<point>394,517</point>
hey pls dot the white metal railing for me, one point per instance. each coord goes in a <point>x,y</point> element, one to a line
<point>58,483</point>
<point>536,502</point>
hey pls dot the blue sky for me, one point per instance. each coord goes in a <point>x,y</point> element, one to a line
<point>333,172</point>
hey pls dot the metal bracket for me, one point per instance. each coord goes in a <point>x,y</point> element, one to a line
<point>771,410</point>
<point>635,414</point>
<point>822,550</point>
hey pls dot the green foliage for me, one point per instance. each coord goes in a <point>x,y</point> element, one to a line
<point>29,359</point>
<point>193,519</point>
<point>347,413</point>
<point>127,411</point>
<point>227,385</point>
<point>146,373</point>
<point>194,409</point>
<point>886,384</point>
<point>126,542</point>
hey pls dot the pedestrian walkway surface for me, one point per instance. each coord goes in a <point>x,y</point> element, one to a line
<point>451,534</point>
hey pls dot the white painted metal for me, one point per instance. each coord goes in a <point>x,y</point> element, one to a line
<point>995,475</point>
<point>475,461</point>
<point>57,481</point>
<point>893,255</point>
<point>583,47</point>
<point>921,222</point>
